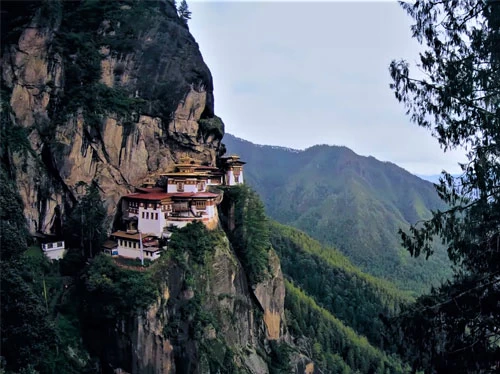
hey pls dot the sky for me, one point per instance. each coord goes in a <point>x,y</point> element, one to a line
<point>296,74</point>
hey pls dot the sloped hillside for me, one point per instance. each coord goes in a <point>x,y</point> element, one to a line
<point>354,203</point>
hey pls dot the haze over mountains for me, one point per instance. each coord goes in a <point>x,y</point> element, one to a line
<point>352,202</point>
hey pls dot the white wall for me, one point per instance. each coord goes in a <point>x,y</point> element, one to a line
<point>151,225</point>
<point>172,188</point>
<point>231,181</point>
<point>55,254</point>
<point>129,252</point>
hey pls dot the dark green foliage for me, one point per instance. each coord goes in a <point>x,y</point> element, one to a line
<point>183,11</point>
<point>111,293</point>
<point>31,295</point>
<point>354,203</point>
<point>279,358</point>
<point>455,328</point>
<point>336,347</point>
<point>14,138</point>
<point>211,126</point>
<point>335,284</point>
<point>195,239</point>
<point>85,225</point>
<point>28,334</point>
<point>189,257</point>
<point>248,231</point>
<point>79,39</point>
<point>13,229</point>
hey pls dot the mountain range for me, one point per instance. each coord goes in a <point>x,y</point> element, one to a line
<point>354,203</point>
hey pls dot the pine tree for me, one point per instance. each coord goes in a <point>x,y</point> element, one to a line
<point>183,11</point>
<point>456,327</point>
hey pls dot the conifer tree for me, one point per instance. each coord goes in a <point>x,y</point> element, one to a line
<point>183,11</point>
<point>456,327</point>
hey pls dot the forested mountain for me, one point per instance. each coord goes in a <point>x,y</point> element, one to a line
<point>335,284</point>
<point>354,203</point>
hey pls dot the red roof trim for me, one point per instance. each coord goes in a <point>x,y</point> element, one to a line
<point>165,195</point>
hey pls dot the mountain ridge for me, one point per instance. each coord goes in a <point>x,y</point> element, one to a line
<point>352,202</point>
<point>432,178</point>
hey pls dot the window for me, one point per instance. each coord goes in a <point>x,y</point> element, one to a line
<point>180,187</point>
<point>237,179</point>
<point>200,204</point>
<point>166,215</point>
<point>147,215</point>
<point>135,245</point>
<point>156,216</point>
<point>142,214</point>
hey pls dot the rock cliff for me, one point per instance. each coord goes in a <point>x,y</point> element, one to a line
<point>232,329</point>
<point>106,93</point>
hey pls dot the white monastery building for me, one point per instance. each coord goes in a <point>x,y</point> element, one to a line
<point>150,211</point>
<point>54,250</point>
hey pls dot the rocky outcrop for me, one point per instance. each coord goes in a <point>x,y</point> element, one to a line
<point>107,94</point>
<point>177,335</point>
<point>271,296</point>
<point>137,116</point>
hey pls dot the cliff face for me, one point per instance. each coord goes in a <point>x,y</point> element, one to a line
<point>205,320</point>
<point>106,92</point>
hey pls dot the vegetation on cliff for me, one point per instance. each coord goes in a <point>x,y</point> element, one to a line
<point>456,95</point>
<point>36,336</point>
<point>248,230</point>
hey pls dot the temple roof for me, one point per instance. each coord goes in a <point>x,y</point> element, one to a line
<point>232,160</point>
<point>109,244</point>
<point>152,196</point>
<point>194,195</point>
<point>124,235</point>
<point>150,189</point>
<point>187,174</point>
<point>158,196</point>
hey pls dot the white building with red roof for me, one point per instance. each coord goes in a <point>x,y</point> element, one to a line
<point>150,211</point>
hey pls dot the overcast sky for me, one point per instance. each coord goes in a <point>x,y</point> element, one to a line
<point>296,74</point>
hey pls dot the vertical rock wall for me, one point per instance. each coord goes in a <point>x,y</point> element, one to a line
<point>149,98</point>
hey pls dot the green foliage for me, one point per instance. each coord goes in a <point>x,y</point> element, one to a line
<point>14,138</point>
<point>86,223</point>
<point>335,284</point>
<point>12,222</point>
<point>354,203</point>
<point>332,339</point>
<point>250,234</point>
<point>455,328</point>
<point>79,41</point>
<point>31,289</point>
<point>195,239</point>
<point>28,334</point>
<point>183,11</point>
<point>111,293</point>
<point>213,125</point>
<point>279,358</point>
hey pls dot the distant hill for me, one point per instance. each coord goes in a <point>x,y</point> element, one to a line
<point>352,202</point>
<point>335,284</point>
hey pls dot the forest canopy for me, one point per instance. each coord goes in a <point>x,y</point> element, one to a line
<point>455,328</point>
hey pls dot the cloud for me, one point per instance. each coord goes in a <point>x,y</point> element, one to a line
<point>299,74</point>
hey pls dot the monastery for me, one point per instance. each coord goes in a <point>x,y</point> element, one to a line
<point>184,197</point>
